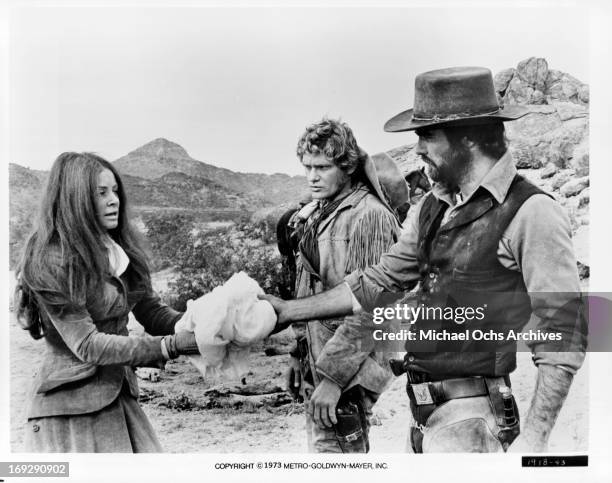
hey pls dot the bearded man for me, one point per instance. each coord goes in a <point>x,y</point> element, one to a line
<point>482,230</point>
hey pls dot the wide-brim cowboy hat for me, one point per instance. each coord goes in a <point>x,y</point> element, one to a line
<point>453,97</point>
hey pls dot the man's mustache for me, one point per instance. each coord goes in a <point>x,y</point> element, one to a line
<point>429,163</point>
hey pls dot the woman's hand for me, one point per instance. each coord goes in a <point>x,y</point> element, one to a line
<point>280,307</point>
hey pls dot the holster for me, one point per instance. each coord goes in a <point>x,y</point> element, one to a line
<point>352,427</point>
<point>506,412</point>
<point>301,352</point>
<point>398,366</point>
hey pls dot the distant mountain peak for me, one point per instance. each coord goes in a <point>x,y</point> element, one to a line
<point>163,142</point>
<point>161,158</point>
<point>162,147</point>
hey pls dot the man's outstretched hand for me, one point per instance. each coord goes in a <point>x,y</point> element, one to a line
<point>336,302</point>
<point>280,307</point>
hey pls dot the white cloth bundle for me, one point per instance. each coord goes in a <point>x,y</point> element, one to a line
<point>226,322</point>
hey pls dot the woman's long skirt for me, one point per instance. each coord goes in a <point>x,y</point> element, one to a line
<point>121,427</point>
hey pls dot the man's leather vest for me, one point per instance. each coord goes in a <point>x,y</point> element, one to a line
<point>460,256</point>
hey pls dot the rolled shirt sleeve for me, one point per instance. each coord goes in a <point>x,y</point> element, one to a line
<point>538,243</point>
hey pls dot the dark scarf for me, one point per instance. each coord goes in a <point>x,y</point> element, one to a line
<point>308,246</point>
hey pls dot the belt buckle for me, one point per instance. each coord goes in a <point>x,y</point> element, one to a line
<point>422,394</point>
<point>354,436</point>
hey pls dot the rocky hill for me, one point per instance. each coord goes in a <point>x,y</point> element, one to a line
<point>161,177</point>
<point>160,157</point>
<point>181,191</point>
<point>172,191</point>
<point>25,186</point>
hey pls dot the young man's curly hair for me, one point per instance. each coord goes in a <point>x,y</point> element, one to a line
<point>335,140</point>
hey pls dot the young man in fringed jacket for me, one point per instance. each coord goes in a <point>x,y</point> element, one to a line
<point>349,224</point>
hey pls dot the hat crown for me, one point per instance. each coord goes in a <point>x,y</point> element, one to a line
<point>391,179</point>
<point>454,93</point>
<point>458,96</point>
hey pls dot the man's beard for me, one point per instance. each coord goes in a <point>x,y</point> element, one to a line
<point>456,162</point>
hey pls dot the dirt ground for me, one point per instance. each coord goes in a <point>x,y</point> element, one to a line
<point>192,415</point>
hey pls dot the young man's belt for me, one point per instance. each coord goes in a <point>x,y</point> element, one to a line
<point>439,392</point>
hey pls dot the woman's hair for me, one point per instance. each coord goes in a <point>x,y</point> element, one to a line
<point>65,257</point>
<point>336,141</point>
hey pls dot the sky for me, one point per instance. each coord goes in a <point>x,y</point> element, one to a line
<point>237,86</point>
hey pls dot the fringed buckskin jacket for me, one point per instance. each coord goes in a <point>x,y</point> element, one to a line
<point>353,236</point>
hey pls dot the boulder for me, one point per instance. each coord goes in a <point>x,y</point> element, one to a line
<point>534,72</point>
<point>563,87</point>
<point>561,178</point>
<point>558,145</point>
<point>537,97</point>
<point>527,84</point>
<point>539,120</point>
<point>502,79</point>
<point>553,77</point>
<point>549,171</point>
<point>518,92</point>
<point>559,151</point>
<point>574,130</point>
<point>574,186</point>
<point>583,198</point>
<point>580,158</point>
<point>524,155</point>
<point>569,110</point>
<point>543,153</point>
<point>532,82</point>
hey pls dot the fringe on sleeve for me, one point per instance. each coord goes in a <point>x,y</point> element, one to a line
<point>373,234</point>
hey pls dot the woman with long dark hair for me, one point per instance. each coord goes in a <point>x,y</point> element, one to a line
<point>81,273</point>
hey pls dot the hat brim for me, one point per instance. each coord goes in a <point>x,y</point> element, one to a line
<point>404,122</point>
